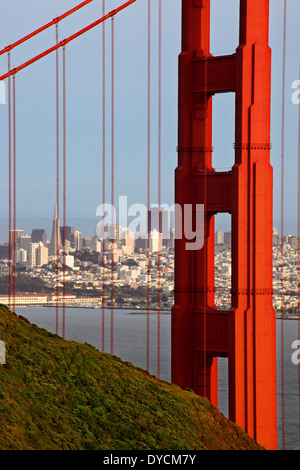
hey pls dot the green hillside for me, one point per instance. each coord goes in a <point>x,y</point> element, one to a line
<point>57,394</point>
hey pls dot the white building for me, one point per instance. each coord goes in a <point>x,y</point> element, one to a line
<point>155,241</point>
<point>21,256</point>
<point>41,255</point>
<point>31,255</point>
<point>69,260</point>
<point>96,244</point>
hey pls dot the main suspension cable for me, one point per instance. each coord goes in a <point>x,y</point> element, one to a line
<point>43,28</point>
<point>67,40</point>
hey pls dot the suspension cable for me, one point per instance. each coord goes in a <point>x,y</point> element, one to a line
<point>282,222</point>
<point>14,191</point>
<point>67,40</point>
<point>298,277</point>
<point>56,240</point>
<point>112,174</point>
<point>103,175</point>
<point>148,183</point>
<point>159,183</point>
<point>43,28</point>
<point>9,188</point>
<point>64,191</point>
<point>206,51</point>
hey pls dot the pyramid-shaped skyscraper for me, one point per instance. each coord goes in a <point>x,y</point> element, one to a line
<point>55,236</point>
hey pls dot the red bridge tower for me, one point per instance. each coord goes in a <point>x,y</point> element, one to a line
<point>246,333</point>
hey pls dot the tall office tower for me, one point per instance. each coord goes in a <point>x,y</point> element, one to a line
<point>141,242</point>
<point>127,240</point>
<point>114,233</point>
<point>21,256</point>
<point>159,220</point>
<point>227,238</point>
<point>55,242</point>
<point>25,241</point>
<point>38,235</point>
<point>77,243</point>
<point>95,244</point>
<point>87,243</point>
<point>172,238</point>
<point>18,234</point>
<point>219,238</point>
<point>155,241</point>
<point>31,255</point>
<point>41,255</point>
<point>69,231</point>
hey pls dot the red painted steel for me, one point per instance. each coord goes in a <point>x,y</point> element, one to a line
<point>246,333</point>
<point>159,180</point>
<point>9,186</point>
<point>64,192</point>
<point>148,181</point>
<point>44,27</point>
<point>103,172</point>
<point>57,181</point>
<point>282,225</point>
<point>298,248</point>
<point>64,42</point>
<point>112,179</point>
<point>14,243</point>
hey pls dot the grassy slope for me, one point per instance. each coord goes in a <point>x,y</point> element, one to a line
<point>56,394</point>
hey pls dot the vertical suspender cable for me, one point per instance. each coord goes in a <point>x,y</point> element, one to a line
<point>148,185</point>
<point>282,224</point>
<point>205,214</point>
<point>14,190</point>
<point>298,277</point>
<point>9,187</point>
<point>112,174</point>
<point>103,178</point>
<point>159,182</point>
<point>57,180</point>
<point>64,191</point>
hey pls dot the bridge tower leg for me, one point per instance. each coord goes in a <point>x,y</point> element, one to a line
<point>245,334</point>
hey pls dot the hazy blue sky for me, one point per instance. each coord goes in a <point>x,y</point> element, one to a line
<point>36,144</point>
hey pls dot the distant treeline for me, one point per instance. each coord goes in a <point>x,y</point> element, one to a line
<point>25,284</point>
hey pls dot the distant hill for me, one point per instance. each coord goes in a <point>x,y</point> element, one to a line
<point>61,395</point>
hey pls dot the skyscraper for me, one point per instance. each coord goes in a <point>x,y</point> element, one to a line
<point>77,240</point>
<point>69,231</point>
<point>38,235</point>
<point>41,255</point>
<point>55,236</point>
<point>219,237</point>
<point>159,220</point>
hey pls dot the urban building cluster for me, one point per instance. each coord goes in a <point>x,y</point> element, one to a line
<point>285,273</point>
<point>89,260</point>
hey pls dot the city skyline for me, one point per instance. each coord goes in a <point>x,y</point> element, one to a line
<point>86,142</point>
